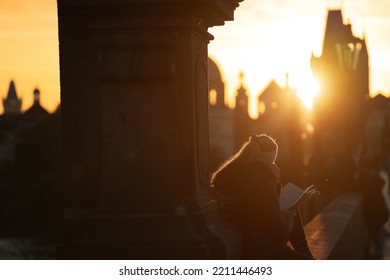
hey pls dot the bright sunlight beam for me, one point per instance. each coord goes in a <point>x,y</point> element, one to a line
<point>307,89</point>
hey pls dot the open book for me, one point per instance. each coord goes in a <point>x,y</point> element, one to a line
<point>292,197</point>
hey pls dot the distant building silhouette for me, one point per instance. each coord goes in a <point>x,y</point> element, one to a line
<point>280,115</point>
<point>36,111</point>
<point>343,73</point>
<point>13,121</point>
<point>216,85</point>
<point>221,119</point>
<point>12,104</point>
<point>275,104</point>
<point>349,125</point>
<point>228,128</point>
<point>243,124</point>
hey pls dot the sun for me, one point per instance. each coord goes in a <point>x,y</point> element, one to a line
<point>307,89</point>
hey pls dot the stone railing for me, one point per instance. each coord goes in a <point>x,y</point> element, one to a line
<point>339,231</point>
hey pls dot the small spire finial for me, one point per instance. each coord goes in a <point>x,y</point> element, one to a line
<point>36,96</point>
<point>241,75</point>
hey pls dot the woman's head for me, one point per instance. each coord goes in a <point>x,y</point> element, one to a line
<point>257,148</point>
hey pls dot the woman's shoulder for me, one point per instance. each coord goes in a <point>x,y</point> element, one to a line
<point>243,176</point>
<point>261,170</point>
<point>258,176</point>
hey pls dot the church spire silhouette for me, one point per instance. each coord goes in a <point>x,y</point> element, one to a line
<point>242,96</point>
<point>36,111</point>
<point>12,104</point>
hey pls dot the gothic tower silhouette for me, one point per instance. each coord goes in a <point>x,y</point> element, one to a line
<point>12,104</point>
<point>343,73</point>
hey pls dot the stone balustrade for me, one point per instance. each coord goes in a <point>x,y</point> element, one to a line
<point>339,231</point>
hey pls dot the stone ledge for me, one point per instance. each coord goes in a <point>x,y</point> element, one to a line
<point>339,231</point>
<point>210,12</point>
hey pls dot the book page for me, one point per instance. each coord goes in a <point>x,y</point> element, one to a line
<point>289,196</point>
<point>292,197</point>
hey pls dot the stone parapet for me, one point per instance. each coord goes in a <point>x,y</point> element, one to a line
<point>339,231</point>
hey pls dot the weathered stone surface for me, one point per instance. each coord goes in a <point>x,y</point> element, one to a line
<point>339,232</point>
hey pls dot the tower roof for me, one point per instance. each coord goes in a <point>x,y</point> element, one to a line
<point>36,111</point>
<point>12,91</point>
<point>334,28</point>
<point>241,91</point>
<point>214,72</point>
<point>336,31</point>
<point>271,92</point>
<point>12,104</point>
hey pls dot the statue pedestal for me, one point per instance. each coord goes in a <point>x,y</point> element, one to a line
<point>134,104</point>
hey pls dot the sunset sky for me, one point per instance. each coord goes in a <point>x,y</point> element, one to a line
<point>29,50</point>
<point>267,39</point>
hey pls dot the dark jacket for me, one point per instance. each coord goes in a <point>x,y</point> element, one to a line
<point>249,200</point>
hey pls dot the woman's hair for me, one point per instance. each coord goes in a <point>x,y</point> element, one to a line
<point>258,147</point>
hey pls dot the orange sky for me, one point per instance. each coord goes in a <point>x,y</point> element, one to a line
<point>267,38</point>
<point>29,50</point>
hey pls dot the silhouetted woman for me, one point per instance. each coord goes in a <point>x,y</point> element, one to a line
<point>249,187</point>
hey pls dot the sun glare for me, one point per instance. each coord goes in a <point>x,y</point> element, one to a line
<point>307,89</point>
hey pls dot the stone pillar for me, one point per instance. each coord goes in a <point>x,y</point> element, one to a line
<point>134,101</point>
